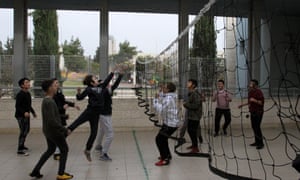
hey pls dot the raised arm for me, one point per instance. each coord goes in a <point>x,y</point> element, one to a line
<point>117,82</point>
<point>107,80</point>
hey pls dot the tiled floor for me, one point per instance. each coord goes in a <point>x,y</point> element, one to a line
<point>134,155</point>
<point>133,159</point>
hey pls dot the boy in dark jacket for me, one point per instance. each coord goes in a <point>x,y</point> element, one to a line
<point>54,132</point>
<point>91,113</point>
<point>22,114</point>
<point>194,113</point>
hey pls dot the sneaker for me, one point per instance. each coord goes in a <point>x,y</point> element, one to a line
<point>162,163</point>
<point>258,147</point>
<point>25,148</point>
<point>105,157</point>
<point>88,155</point>
<point>23,153</point>
<point>65,176</point>
<point>36,175</point>
<point>56,156</point>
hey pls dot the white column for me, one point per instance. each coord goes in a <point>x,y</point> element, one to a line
<point>183,46</point>
<point>104,23</point>
<point>230,54</point>
<point>19,62</point>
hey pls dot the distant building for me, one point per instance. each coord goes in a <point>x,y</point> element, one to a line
<point>112,47</point>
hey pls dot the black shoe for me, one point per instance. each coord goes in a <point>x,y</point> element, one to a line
<point>253,144</point>
<point>216,134</point>
<point>23,153</point>
<point>36,175</point>
<point>225,132</point>
<point>259,146</point>
<point>23,148</point>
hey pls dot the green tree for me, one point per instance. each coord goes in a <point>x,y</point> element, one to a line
<point>204,49</point>
<point>97,55</point>
<point>45,43</point>
<point>123,58</point>
<point>73,55</point>
<point>1,49</point>
<point>126,52</point>
<point>9,47</point>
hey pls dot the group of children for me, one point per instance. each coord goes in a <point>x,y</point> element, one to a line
<point>99,107</point>
<point>165,104</point>
<point>54,118</point>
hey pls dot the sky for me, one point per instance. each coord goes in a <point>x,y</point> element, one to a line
<point>150,33</point>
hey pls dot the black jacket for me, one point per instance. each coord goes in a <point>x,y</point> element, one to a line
<point>107,94</point>
<point>60,101</point>
<point>96,100</point>
<point>23,104</point>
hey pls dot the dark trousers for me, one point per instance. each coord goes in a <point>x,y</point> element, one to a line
<point>24,126</point>
<point>162,141</point>
<point>92,116</point>
<point>256,119</point>
<point>192,131</point>
<point>52,142</point>
<point>218,116</point>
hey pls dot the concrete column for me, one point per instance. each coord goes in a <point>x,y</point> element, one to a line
<point>266,57</point>
<point>183,46</point>
<point>104,23</point>
<point>254,41</point>
<point>19,61</point>
<point>230,54</point>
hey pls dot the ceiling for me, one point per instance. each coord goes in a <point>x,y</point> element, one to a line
<point>221,8</point>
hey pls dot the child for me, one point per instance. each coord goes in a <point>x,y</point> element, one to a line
<point>62,105</point>
<point>167,108</point>
<point>223,97</point>
<point>22,114</point>
<point>91,113</point>
<point>193,107</point>
<point>54,132</point>
<point>255,104</point>
<point>105,122</point>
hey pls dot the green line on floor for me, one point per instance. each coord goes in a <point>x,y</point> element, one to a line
<point>140,154</point>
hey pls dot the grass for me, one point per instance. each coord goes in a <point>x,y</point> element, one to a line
<point>70,87</point>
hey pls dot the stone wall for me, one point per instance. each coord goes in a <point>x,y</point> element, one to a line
<point>127,115</point>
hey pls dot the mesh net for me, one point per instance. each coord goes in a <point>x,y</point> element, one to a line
<point>252,50</point>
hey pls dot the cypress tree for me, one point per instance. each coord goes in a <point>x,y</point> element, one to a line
<point>204,49</point>
<point>45,43</point>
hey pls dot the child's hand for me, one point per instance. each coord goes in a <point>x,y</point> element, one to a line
<point>27,114</point>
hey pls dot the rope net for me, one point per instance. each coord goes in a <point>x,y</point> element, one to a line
<point>278,65</point>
